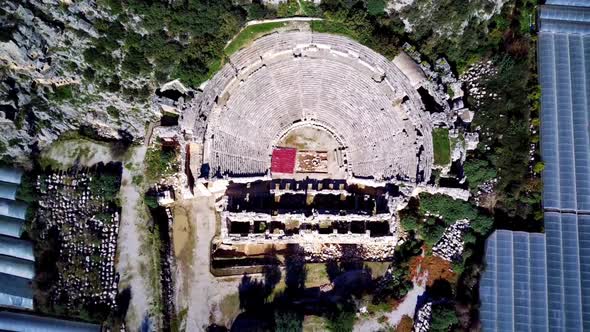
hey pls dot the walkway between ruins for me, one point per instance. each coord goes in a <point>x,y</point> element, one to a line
<point>197,290</point>
<point>406,307</point>
<point>132,265</point>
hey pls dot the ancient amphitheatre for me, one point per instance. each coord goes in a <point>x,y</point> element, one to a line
<point>317,140</point>
<point>318,94</point>
<point>289,80</point>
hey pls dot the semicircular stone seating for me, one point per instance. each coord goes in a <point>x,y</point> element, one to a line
<point>284,78</point>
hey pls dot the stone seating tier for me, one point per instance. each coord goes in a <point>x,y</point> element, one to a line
<point>285,78</point>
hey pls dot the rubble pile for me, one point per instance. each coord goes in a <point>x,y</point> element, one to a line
<point>450,246</point>
<point>444,87</point>
<point>87,227</point>
<point>324,252</point>
<point>422,321</point>
<point>474,77</point>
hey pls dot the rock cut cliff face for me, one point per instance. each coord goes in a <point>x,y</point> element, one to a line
<point>46,86</point>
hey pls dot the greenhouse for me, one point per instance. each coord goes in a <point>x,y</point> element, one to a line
<point>542,283</point>
<point>10,175</point>
<point>8,190</point>
<point>11,321</point>
<point>513,287</point>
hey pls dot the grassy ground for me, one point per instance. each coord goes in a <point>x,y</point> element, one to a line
<point>378,269</point>
<point>442,146</point>
<point>230,306</point>
<point>64,153</point>
<point>335,27</point>
<point>316,275</point>
<point>314,324</point>
<point>249,34</point>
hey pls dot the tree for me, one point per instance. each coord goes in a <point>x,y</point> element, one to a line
<point>478,171</point>
<point>342,319</point>
<point>376,7</point>
<point>434,267</point>
<point>106,186</point>
<point>287,321</point>
<point>444,317</point>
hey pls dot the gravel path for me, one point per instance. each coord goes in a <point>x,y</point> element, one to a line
<point>131,261</point>
<point>197,290</point>
<point>406,307</point>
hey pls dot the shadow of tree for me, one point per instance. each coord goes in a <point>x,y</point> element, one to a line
<point>295,274</point>
<point>286,310</point>
<point>146,323</point>
<point>123,299</point>
<point>216,328</point>
<point>253,293</point>
<point>333,269</point>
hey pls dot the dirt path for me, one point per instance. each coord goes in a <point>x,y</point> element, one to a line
<point>197,290</point>
<point>132,263</point>
<point>406,307</point>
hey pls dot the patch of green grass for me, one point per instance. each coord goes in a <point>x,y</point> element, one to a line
<point>376,7</point>
<point>316,275</point>
<point>159,164</point>
<point>335,27</point>
<point>48,162</point>
<point>314,324</point>
<point>441,146</point>
<point>179,321</point>
<point>251,33</point>
<point>137,180</point>
<point>378,269</point>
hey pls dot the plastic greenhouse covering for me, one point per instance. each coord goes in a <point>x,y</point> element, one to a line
<point>11,321</point>
<point>13,209</point>
<point>22,249</point>
<point>10,175</point>
<point>15,292</point>
<point>513,284</point>
<point>8,190</point>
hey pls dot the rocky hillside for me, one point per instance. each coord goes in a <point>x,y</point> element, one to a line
<point>47,86</point>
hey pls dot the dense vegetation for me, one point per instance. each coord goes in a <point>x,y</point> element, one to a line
<point>452,286</point>
<point>371,27</point>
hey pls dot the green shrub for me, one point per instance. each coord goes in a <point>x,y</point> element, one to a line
<point>150,201</point>
<point>287,321</point>
<point>288,8</point>
<point>342,320</point>
<point>159,164</point>
<point>106,186</point>
<point>478,171</point>
<point>308,8</point>
<point>62,93</point>
<point>113,112</point>
<point>135,62</point>
<point>444,317</point>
